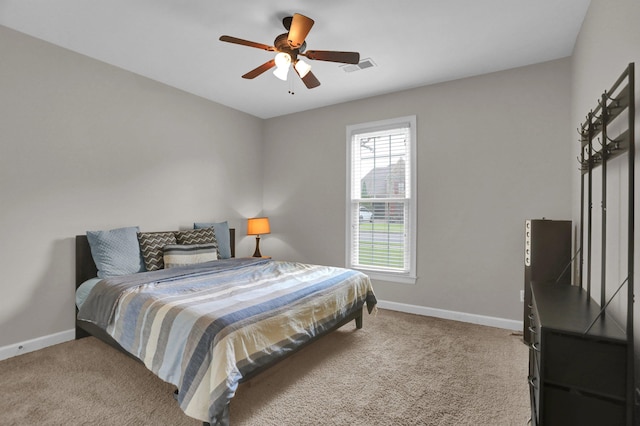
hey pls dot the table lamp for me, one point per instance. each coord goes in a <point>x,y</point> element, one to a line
<point>258,226</point>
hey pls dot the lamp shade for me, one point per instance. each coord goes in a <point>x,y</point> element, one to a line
<point>302,67</point>
<point>282,60</point>
<point>282,73</point>
<point>258,226</point>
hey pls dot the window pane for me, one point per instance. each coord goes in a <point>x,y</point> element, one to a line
<point>380,164</point>
<point>381,235</point>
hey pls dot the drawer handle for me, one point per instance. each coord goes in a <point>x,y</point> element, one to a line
<point>534,347</point>
<point>531,317</point>
<point>532,381</point>
<point>533,330</point>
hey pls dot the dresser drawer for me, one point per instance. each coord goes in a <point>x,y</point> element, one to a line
<point>586,364</point>
<point>568,408</point>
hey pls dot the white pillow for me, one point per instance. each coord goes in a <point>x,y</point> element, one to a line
<point>183,254</point>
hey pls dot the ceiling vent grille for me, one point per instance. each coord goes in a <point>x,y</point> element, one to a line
<point>363,64</point>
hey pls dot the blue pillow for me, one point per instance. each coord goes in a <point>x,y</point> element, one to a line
<point>116,251</point>
<point>221,229</point>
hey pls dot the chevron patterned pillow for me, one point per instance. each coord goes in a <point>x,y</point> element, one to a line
<point>221,230</point>
<point>152,245</point>
<point>197,236</point>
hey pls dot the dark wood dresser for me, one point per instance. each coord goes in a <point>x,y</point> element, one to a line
<point>576,377</point>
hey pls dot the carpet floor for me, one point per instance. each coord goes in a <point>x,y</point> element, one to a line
<point>400,369</point>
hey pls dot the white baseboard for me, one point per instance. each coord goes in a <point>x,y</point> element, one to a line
<point>35,344</point>
<point>64,336</point>
<point>452,315</point>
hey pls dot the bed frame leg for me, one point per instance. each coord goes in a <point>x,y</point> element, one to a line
<point>80,333</point>
<point>359,321</point>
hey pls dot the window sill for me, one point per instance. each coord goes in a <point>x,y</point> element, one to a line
<point>389,277</point>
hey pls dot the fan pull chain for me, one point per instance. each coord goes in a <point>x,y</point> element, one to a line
<point>291,92</point>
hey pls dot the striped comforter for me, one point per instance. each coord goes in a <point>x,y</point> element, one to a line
<point>203,328</point>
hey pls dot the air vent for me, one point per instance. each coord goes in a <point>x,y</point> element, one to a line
<point>363,64</point>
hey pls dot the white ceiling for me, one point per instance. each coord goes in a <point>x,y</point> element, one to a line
<point>412,42</point>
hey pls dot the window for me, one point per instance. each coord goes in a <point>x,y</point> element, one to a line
<point>381,203</point>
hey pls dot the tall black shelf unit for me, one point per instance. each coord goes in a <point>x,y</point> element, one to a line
<point>547,258</point>
<point>581,360</point>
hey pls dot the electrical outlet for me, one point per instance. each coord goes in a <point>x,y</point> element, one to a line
<point>522,296</point>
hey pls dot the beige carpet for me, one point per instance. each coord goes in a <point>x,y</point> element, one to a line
<point>400,369</point>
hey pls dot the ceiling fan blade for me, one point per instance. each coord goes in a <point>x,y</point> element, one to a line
<point>259,70</point>
<point>333,56</point>
<point>309,80</point>
<point>300,27</point>
<point>236,40</point>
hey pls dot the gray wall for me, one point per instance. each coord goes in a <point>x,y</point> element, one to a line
<point>84,145</point>
<point>608,41</point>
<point>492,152</point>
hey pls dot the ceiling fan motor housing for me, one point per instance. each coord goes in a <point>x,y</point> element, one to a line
<point>282,45</point>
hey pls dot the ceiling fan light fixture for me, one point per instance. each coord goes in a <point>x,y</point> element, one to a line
<point>283,60</point>
<point>302,67</point>
<point>281,73</point>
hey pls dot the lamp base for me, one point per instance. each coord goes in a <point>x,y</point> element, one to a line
<point>257,252</point>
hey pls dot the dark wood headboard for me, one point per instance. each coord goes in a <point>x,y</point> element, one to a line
<point>86,267</point>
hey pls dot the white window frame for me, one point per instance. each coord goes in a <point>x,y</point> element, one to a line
<point>408,277</point>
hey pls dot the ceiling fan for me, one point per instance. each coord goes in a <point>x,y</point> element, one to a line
<point>290,46</point>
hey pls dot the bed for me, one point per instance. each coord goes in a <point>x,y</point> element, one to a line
<point>209,326</point>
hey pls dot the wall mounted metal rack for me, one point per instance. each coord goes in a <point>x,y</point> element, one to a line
<point>607,133</point>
